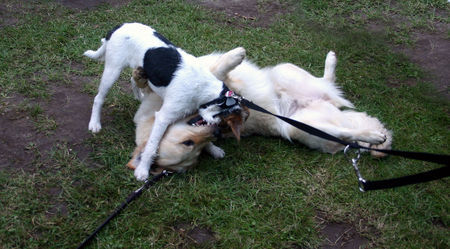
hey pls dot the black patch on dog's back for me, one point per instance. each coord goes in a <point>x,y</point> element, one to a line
<point>109,34</point>
<point>160,65</point>
<point>163,39</point>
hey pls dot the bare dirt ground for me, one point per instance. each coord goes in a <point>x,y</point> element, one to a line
<point>69,107</point>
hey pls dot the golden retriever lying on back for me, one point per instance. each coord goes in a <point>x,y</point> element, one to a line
<point>285,90</point>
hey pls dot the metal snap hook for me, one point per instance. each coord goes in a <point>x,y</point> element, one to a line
<point>354,161</point>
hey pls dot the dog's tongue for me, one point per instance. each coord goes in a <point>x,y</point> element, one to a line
<point>200,122</point>
<point>197,121</point>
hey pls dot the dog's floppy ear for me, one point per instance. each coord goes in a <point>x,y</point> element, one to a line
<point>140,77</point>
<point>227,62</point>
<point>235,122</point>
<point>235,125</point>
<point>131,164</point>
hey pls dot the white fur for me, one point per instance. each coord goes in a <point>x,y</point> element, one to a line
<point>288,90</point>
<point>191,86</point>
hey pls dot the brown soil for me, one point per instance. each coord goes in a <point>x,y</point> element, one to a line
<point>23,144</point>
<point>341,235</point>
<point>190,234</point>
<point>431,52</point>
<point>90,4</point>
<point>256,13</point>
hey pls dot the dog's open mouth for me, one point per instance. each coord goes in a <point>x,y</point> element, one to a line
<point>198,121</point>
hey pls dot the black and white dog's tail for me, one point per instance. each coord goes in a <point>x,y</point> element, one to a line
<point>99,54</point>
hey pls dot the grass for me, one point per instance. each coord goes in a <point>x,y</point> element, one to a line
<point>267,192</point>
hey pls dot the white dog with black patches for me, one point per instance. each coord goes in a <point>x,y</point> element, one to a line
<point>177,77</point>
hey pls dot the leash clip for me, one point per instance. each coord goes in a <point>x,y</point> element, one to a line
<point>354,161</point>
<point>231,98</point>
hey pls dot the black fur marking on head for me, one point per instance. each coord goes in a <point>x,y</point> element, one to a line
<point>163,39</point>
<point>160,65</point>
<point>109,34</point>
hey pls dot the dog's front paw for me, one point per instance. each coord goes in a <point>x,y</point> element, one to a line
<point>141,173</point>
<point>94,126</point>
<point>215,152</point>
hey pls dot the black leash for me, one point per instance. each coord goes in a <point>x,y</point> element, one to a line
<point>363,184</point>
<point>371,185</point>
<point>124,204</point>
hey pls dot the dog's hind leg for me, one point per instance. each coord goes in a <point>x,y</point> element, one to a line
<point>110,75</point>
<point>347,125</point>
<point>348,135</point>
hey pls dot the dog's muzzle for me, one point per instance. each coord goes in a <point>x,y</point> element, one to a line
<point>228,103</point>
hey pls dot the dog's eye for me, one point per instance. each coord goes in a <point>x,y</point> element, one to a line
<point>188,142</point>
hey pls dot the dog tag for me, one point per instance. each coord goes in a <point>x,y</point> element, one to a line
<point>230,102</point>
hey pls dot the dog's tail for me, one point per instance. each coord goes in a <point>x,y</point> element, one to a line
<point>99,54</point>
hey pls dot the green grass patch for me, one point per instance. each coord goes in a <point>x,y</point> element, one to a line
<point>267,192</point>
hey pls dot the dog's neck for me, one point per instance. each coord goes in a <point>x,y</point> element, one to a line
<point>218,99</point>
